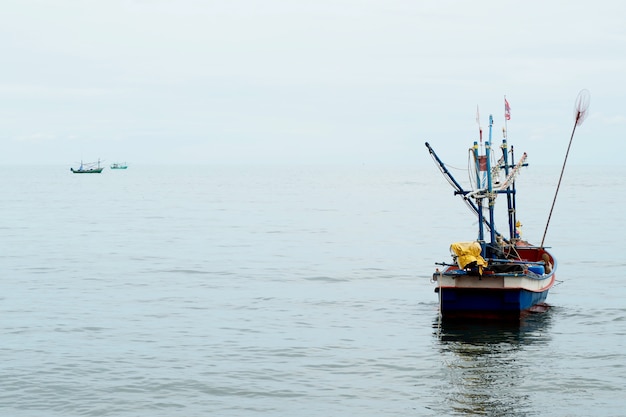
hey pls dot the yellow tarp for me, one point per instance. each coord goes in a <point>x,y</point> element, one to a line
<point>467,252</point>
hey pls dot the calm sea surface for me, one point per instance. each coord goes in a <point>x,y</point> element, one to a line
<point>294,291</point>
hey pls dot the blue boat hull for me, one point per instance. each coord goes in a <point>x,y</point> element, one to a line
<point>489,303</point>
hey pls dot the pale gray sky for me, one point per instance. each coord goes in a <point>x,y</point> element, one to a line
<point>354,81</point>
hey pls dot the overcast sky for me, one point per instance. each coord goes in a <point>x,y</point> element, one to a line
<point>341,81</point>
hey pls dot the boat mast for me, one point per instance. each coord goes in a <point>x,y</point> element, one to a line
<point>479,198</point>
<point>490,195</point>
<point>510,197</point>
<point>510,189</point>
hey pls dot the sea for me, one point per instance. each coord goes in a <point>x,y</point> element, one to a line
<point>296,290</point>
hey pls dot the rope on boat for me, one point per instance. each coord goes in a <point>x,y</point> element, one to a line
<point>458,189</point>
<point>513,174</point>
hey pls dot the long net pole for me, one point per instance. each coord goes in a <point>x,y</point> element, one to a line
<point>582,104</point>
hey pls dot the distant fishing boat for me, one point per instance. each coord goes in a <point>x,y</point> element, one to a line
<point>119,165</point>
<point>495,276</point>
<point>88,168</point>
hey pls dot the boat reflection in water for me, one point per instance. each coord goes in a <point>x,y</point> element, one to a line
<point>489,368</point>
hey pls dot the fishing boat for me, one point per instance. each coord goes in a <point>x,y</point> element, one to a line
<point>119,165</point>
<point>497,275</point>
<point>88,168</point>
<point>494,276</point>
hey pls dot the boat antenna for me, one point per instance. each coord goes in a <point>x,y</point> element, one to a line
<point>580,114</point>
<point>480,129</point>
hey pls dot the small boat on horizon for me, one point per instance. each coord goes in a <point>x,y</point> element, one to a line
<point>88,168</point>
<point>119,165</point>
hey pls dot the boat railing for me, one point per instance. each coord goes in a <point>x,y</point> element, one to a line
<point>514,261</point>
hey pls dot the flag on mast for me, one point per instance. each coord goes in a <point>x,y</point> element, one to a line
<point>507,109</point>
